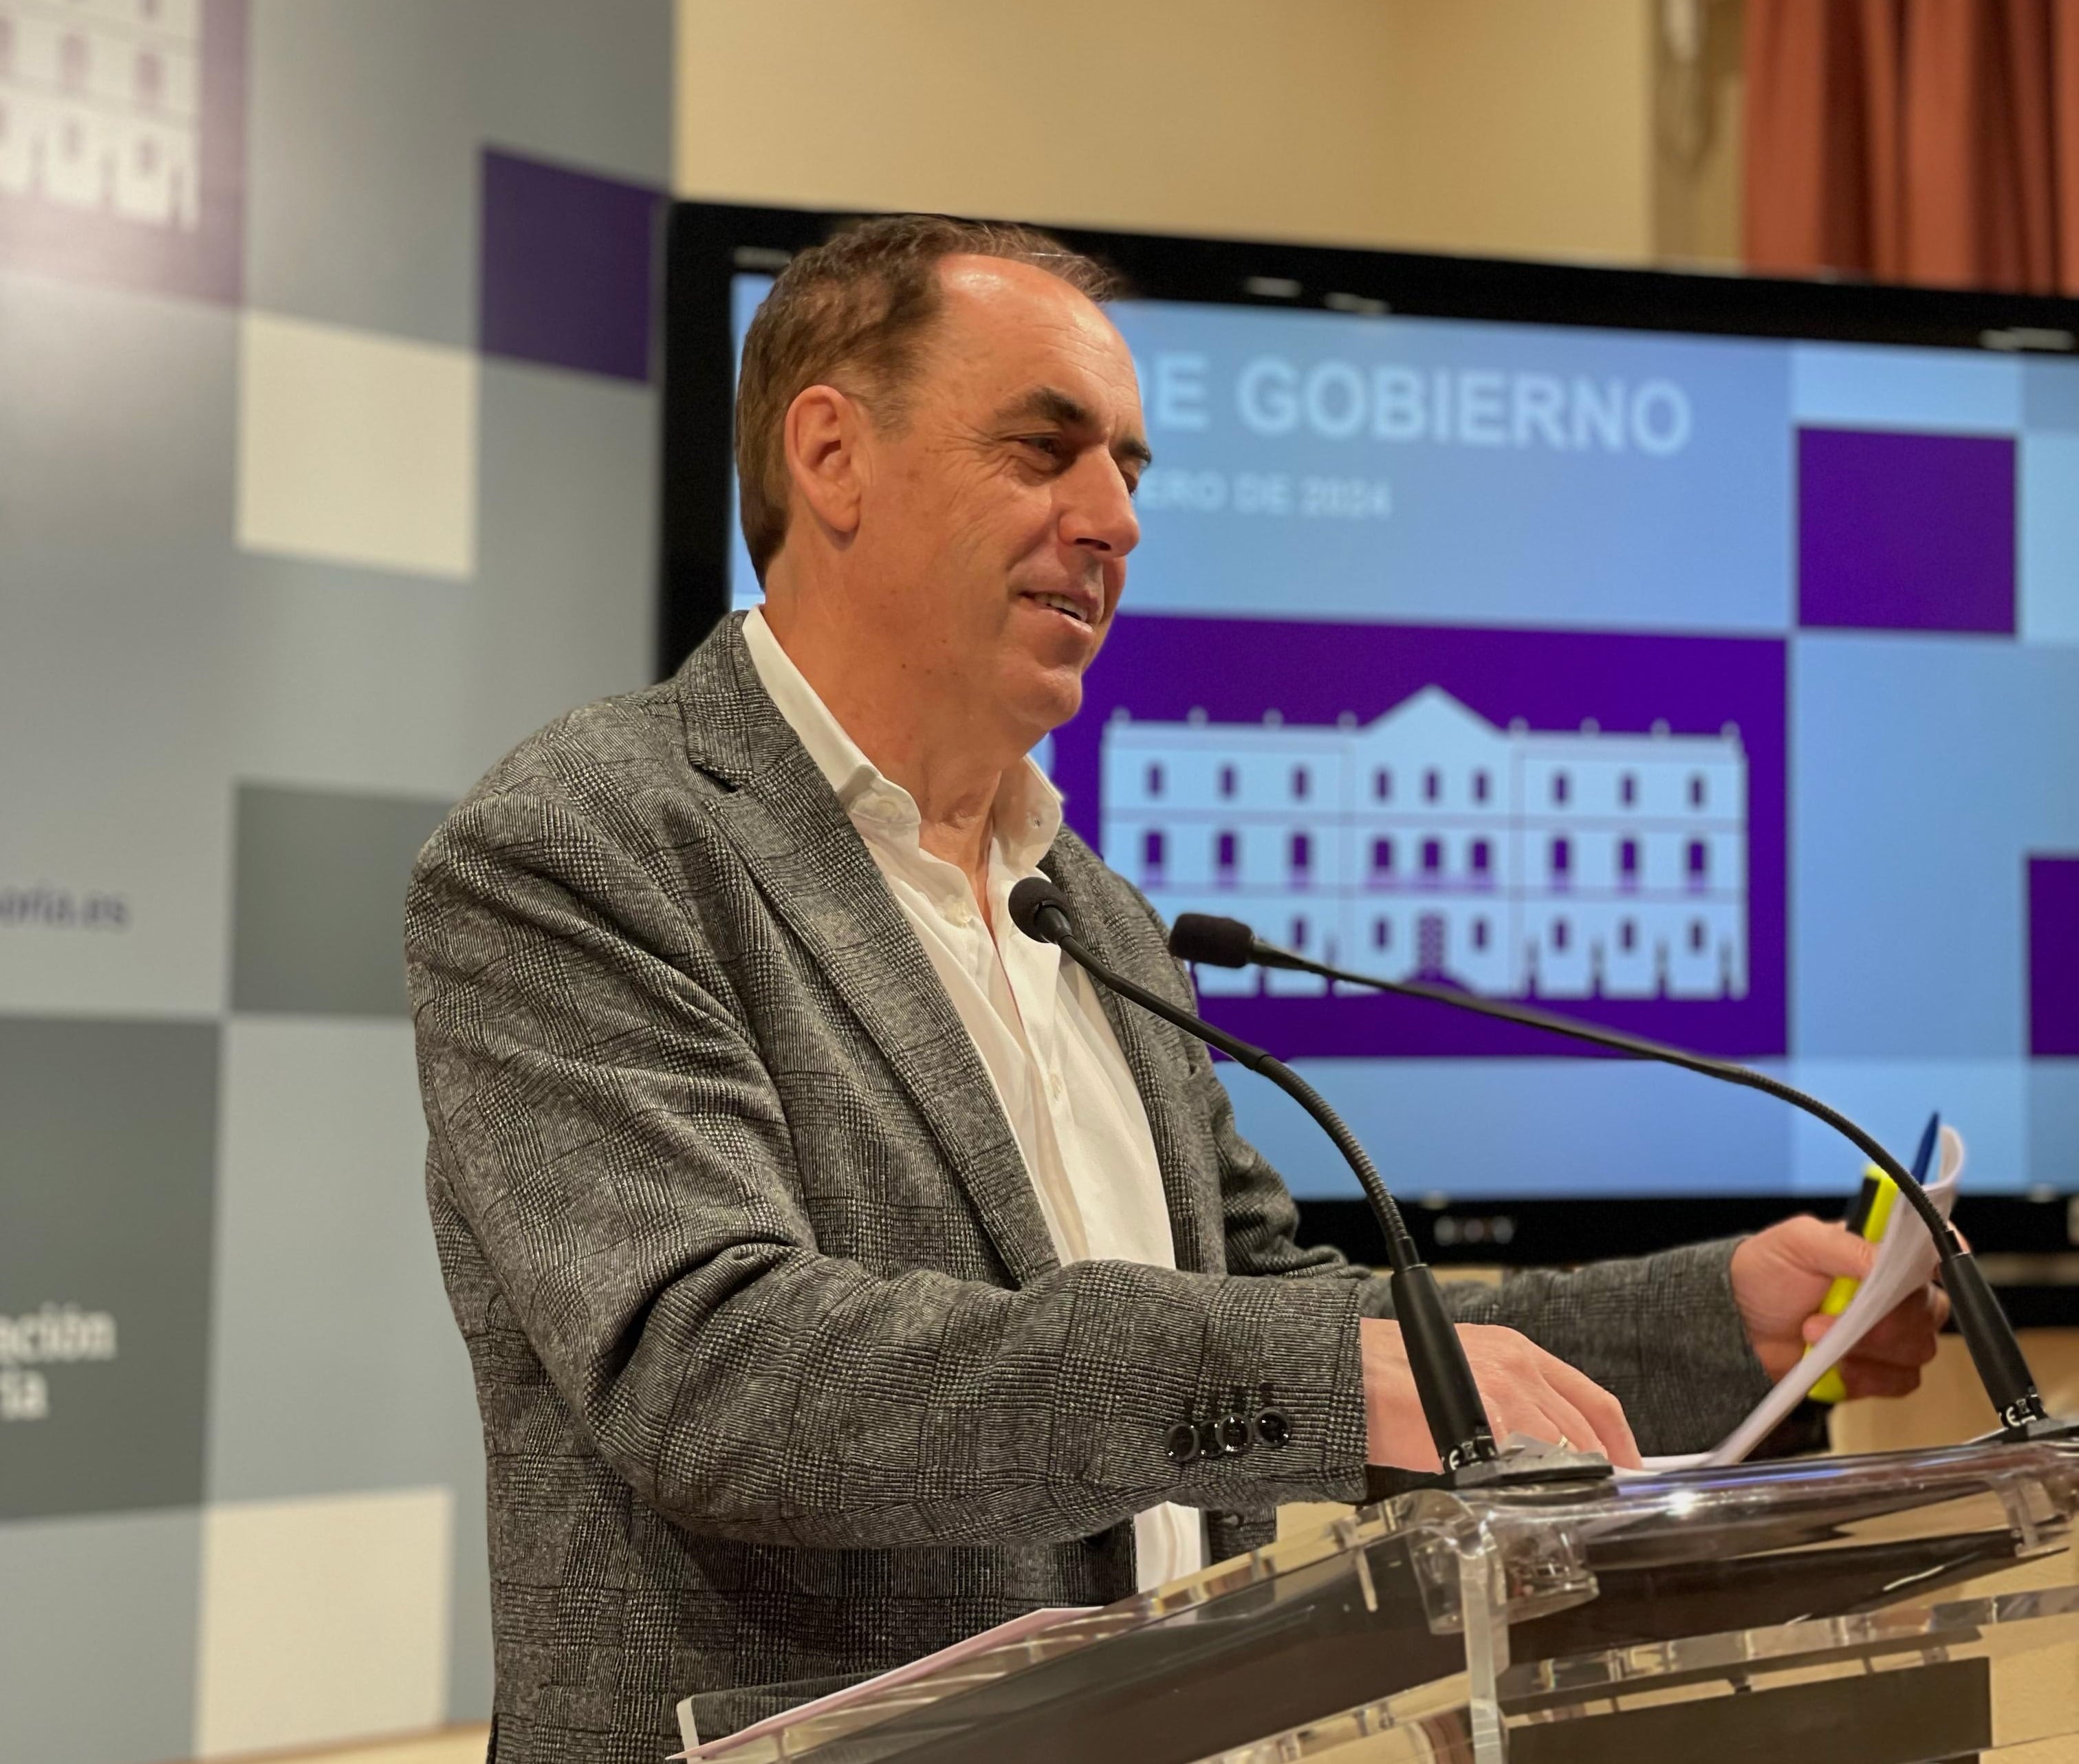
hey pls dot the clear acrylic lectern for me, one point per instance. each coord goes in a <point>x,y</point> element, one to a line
<point>1893,1609</point>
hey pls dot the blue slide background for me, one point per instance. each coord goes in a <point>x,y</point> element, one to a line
<point>1925,767</point>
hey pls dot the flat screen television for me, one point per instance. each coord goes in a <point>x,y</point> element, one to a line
<point>1697,655</point>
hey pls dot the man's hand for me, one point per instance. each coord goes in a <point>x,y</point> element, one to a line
<point>1781,1275</point>
<point>1525,1389</point>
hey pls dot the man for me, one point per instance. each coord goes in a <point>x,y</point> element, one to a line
<point>842,1274</point>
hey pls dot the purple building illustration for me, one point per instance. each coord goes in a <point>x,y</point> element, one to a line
<point>122,141</point>
<point>1593,818</point>
<point>1430,844</point>
<point>101,107</point>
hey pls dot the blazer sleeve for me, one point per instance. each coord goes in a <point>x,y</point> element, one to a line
<point>619,1152</point>
<point>1661,1333</point>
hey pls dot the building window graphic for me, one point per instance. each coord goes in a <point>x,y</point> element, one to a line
<point>1641,857</point>
<point>1155,780</point>
<point>103,110</point>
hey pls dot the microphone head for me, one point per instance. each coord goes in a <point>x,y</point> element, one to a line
<point>1032,901</point>
<point>1216,941</point>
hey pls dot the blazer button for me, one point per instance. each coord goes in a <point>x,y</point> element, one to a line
<point>1234,1436</point>
<point>1273,1426</point>
<point>1209,1439</point>
<point>1180,1445</point>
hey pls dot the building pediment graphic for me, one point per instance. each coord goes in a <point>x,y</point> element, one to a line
<point>1431,716</point>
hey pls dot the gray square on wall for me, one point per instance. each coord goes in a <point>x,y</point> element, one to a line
<point>107,1184</point>
<point>318,899</point>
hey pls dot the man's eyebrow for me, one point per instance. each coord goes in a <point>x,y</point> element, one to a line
<point>1050,404</point>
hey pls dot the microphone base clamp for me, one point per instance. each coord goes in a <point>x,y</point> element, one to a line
<point>1511,1470</point>
<point>1521,1469</point>
<point>2055,1429</point>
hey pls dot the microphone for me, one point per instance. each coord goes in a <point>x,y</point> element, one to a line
<point>2002,1367</point>
<point>1451,1402</point>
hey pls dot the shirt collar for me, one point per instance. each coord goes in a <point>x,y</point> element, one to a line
<point>1028,807</point>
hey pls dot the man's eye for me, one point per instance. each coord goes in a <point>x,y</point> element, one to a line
<point>1049,445</point>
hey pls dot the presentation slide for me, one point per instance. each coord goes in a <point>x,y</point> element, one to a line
<point>1722,690</point>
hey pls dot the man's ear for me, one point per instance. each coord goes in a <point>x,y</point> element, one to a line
<point>823,434</point>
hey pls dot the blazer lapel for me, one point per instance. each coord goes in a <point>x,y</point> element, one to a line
<point>1197,1229</point>
<point>818,877</point>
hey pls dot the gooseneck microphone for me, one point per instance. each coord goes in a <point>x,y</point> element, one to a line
<point>1450,1399</point>
<point>2001,1368</point>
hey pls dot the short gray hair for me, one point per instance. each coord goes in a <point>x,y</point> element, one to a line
<point>859,303</point>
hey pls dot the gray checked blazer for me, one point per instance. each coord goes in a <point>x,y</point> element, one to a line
<point>781,1383</point>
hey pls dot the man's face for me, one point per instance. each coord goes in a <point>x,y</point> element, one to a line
<point>995,525</point>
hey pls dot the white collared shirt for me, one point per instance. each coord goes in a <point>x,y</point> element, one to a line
<point>1043,1037</point>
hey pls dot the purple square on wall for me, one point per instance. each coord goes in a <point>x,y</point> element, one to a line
<point>2053,958</point>
<point>1900,532</point>
<point>1591,821</point>
<point>567,266</point>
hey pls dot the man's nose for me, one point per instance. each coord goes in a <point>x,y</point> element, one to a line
<point>1096,509</point>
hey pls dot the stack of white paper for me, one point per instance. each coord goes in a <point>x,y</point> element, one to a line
<point>1905,1261</point>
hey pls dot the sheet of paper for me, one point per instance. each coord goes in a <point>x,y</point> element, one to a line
<point>1905,1261</point>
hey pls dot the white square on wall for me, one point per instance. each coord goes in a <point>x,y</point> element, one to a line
<point>323,1619</point>
<point>356,449</point>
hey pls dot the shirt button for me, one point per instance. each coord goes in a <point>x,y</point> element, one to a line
<point>1055,1088</point>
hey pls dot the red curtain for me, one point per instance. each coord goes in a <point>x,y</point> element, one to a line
<point>1915,141</point>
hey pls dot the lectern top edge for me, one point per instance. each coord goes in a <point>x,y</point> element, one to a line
<point>1704,1578</point>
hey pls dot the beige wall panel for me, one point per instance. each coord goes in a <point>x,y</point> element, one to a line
<point>1524,126</point>
<point>323,1619</point>
<point>1504,126</point>
<point>356,449</point>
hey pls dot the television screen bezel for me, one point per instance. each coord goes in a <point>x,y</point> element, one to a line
<point>707,244</point>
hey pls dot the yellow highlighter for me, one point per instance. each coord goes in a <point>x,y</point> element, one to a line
<point>1868,1218</point>
<point>1871,1213</point>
